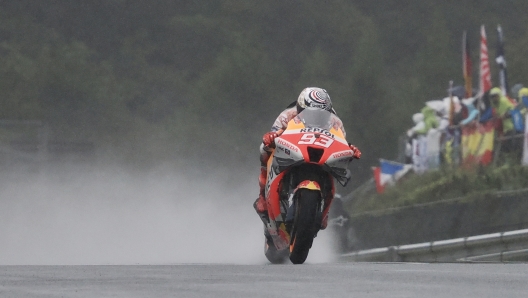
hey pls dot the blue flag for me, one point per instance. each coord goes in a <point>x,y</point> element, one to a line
<point>391,171</point>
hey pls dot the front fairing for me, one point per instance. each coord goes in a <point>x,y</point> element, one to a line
<point>311,138</point>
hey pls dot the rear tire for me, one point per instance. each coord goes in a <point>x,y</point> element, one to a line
<point>305,225</point>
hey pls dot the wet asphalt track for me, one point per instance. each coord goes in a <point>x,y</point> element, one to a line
<point>308,280</point>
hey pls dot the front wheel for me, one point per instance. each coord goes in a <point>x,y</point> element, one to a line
<point>305,225</point>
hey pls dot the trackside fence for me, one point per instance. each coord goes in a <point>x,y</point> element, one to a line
<point>508,246</point>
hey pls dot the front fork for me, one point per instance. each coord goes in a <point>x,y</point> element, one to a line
<point>306,184</point>
<point>280,233</point>
<point>312,185</point>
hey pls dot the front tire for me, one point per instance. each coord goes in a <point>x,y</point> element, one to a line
<point>305,225</point>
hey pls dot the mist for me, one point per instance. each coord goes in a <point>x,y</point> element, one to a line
<point>112,215</point>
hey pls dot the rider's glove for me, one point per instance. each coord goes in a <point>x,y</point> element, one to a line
<point>357,153</point>
<point>269,138</point>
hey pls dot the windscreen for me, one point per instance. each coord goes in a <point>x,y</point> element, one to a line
<point>314,117</point>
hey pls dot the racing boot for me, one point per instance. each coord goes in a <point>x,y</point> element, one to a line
<point>260,204</point>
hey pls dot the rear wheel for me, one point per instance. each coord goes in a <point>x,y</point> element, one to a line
<point>305,225</point>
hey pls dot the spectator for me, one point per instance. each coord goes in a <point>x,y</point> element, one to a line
<point>430,118</point>
<point>453,117</point>
<point>472,112</point>
<point>458,91</point>
<point>451,136</point>
<point>424,121</point>
<point>523,97</point>
<point>484,107</point>
<point>519,111</point>
<point>503,107</point>
<point>441,113</point>
<point>515,89</point>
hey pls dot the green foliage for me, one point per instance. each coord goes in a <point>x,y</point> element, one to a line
<point>43,77</point>
<point>438,41</point>
<point>445,184</point>
<point>143,76</point>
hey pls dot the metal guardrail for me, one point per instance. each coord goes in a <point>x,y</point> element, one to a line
<point>497,247</point>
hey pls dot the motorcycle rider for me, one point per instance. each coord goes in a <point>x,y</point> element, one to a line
<point>313,97</point>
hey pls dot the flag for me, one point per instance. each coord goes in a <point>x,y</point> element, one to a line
<point>501,61</point>
<point>477,144</point>
<point>485,75</point>
<point>484,79</point>
<point>377,179</point>
<point>466,66</point>
<point>388,173</point>
<point>451,104</point>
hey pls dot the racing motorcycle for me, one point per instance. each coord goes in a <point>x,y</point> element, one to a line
<point>308,155</point>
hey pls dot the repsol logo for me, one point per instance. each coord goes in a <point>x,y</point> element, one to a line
<point>287,145</point>
<point>342,154</point>
<point>318,130</point>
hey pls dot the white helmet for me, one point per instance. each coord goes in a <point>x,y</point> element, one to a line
<point>314,97</point>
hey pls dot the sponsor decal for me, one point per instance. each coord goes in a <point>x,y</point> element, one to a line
<point>309,184</point>
<point>343,154</point>
<point>322,107</point>
<point>315,139</point>
<point>318,130</point>
<point>287,151</point>
<point>287,145</point>
<point>317,99</point>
